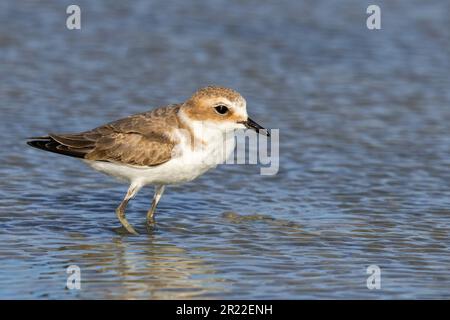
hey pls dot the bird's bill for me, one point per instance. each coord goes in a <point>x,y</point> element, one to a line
<point>250,124</point>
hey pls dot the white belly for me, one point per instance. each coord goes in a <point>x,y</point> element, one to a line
<point>188,166</point>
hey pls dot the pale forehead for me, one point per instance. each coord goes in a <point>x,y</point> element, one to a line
<point>218,93</point>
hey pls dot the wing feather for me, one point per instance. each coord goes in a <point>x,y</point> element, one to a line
<point>143,139</point>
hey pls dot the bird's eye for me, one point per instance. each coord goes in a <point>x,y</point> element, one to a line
<point>221,109</point>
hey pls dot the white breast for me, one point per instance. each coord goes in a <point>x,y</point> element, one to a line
<point>211,147</point>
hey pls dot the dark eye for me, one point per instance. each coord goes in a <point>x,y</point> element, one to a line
<point>221,109</point>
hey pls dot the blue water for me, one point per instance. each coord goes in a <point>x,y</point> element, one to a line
<point>364,119</point>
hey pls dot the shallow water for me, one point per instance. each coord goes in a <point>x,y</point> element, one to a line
<point>364,119</point>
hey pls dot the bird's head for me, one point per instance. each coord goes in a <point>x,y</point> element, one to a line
<point>221,107</point>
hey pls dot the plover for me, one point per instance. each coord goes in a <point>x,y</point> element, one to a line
<point>169,145</point>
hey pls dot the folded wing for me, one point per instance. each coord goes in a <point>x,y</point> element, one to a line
<point>141,140</point>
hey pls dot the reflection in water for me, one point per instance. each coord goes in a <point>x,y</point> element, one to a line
<point>155,271</point>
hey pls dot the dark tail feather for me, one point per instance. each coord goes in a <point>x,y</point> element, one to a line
<point>39,138</point>
<point>49,144</point>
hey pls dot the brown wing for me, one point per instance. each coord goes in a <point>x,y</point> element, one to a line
<point>140,139</point>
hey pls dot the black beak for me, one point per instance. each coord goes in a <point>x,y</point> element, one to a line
<point>250,124</point>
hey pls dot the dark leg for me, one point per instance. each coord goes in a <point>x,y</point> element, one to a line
<point>120,211</point>
<point>159,190</point>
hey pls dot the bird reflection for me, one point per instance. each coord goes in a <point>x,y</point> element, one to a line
<point>141,269</point>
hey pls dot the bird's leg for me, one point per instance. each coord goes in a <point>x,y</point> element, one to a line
<point>120,211</point>
<point>158,193</point>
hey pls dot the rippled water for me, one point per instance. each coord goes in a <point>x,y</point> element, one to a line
<point>364,119</point>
